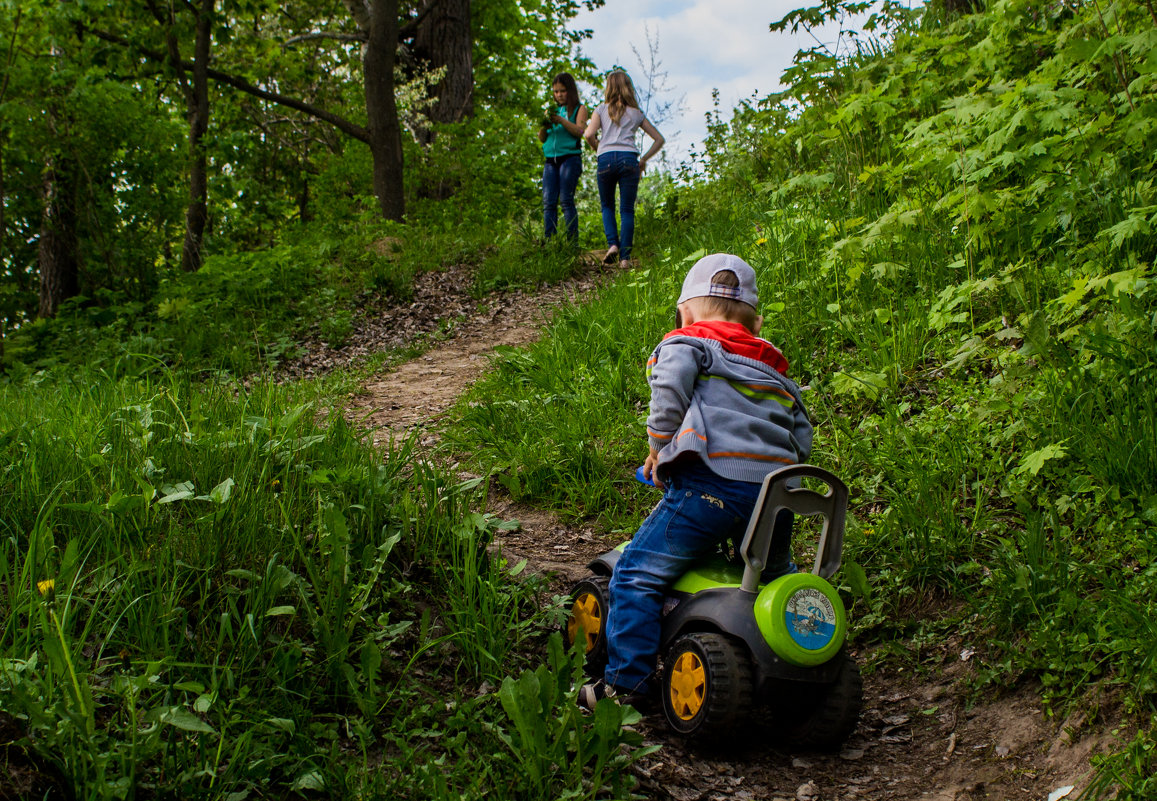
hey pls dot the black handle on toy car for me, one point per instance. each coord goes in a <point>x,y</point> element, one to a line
<point>781,491</point>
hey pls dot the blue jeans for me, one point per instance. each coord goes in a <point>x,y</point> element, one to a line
<point>560,177</point>
<point>621,170</point>
<point>699,510</point>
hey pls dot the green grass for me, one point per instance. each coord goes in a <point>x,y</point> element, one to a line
<point>211,590</point>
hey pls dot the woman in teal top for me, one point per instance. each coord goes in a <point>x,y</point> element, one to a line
<point>561,136</point>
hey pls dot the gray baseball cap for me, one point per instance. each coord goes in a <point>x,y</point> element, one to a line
<point>699,280</point>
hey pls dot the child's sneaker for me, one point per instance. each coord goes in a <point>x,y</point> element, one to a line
<point>591,694</point>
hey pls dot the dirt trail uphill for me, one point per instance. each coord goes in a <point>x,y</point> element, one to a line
<point>918,738</point>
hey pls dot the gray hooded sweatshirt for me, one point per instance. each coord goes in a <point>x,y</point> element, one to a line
<point>719,393</point>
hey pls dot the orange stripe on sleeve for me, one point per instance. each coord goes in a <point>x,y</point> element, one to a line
<point>757,456</point>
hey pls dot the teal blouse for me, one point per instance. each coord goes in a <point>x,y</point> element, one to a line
<point>559,141</point>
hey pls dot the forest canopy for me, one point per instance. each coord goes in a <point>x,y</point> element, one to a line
<point>142,137</point>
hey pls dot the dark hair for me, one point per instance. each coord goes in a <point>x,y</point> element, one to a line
<point>572,96</point>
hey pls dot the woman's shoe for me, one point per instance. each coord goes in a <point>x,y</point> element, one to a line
<point>612,255</point>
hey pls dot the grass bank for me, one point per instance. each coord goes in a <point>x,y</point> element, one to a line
<point>211,591</point>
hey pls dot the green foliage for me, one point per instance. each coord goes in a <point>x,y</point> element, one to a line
<point>94,107</point>
<point>64,114</point>
<point>208,588</point>
<point>1129,774</point>
<point>215,589</point>
<point>555,746</point>
<point>492,611</point>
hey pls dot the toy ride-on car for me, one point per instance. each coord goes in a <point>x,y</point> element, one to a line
<point>735,649</point>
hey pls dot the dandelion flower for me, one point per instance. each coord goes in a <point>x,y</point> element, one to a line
<point>46,586</point>
<point>761,241</point>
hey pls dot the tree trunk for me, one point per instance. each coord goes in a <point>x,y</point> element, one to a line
<point>3,196</point>
<point>57,256</point>
<point>382,110</point>
<point>197,95</point>
<point>444,40</point>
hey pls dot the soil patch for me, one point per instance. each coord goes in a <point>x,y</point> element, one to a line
<point>414,396</point>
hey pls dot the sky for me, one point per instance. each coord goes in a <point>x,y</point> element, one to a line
<point>702,45</point>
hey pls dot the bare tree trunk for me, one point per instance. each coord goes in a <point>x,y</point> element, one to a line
<point>444,39</point>
<point>197,95</point>
<point>382,110</point>
<point>3,192</point>
<point>57,255</point>
<point>3,143</point>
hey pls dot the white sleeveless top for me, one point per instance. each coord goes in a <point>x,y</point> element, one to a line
<point>618,137</point>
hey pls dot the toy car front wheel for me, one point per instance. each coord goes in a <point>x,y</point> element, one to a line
<point>588,620</point>
<point>707,684</point>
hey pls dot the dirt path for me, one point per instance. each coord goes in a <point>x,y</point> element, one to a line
<point>917,739</point>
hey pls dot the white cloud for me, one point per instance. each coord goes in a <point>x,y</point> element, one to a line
<point>702,45</point>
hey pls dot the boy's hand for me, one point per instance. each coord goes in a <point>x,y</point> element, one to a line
<point>649,469</point>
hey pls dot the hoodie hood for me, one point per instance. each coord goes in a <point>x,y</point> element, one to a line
<point>736,339</point>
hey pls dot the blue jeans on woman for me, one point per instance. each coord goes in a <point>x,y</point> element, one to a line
<point>619,169</point>
<point>560,177</point>
<point>699,510</point>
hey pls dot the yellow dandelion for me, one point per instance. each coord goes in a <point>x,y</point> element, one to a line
<point>761,241</point>
<point>46,586</point>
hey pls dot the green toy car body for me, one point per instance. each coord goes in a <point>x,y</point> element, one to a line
<point>734,648</point>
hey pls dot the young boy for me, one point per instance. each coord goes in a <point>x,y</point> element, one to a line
<point>723,415</point>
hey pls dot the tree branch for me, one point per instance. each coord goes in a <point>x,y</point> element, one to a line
<point>341,37</point>
<point>350,128</point>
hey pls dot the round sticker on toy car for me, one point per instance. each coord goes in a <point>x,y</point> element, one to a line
<point>810,618</point>
<point>802,618</point>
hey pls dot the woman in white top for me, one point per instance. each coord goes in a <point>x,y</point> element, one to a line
<point>618,117</point>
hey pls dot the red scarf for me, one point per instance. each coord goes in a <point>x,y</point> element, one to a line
<point>735,338</point>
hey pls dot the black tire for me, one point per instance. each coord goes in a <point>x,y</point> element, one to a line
<point>822,717</point>
<point>708,689</point>
<point>590,600</point>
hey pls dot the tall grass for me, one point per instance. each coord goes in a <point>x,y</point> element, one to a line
<point>210,590</point>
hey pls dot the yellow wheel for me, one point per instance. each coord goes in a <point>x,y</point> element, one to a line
<point>587,621</point>
<point>687,685</point>
<point>708,687</point>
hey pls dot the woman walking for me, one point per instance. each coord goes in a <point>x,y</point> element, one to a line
<point>618,116</point>
<point>561,136</point>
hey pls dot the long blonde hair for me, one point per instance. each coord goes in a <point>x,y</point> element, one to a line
<point>619,94</point>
